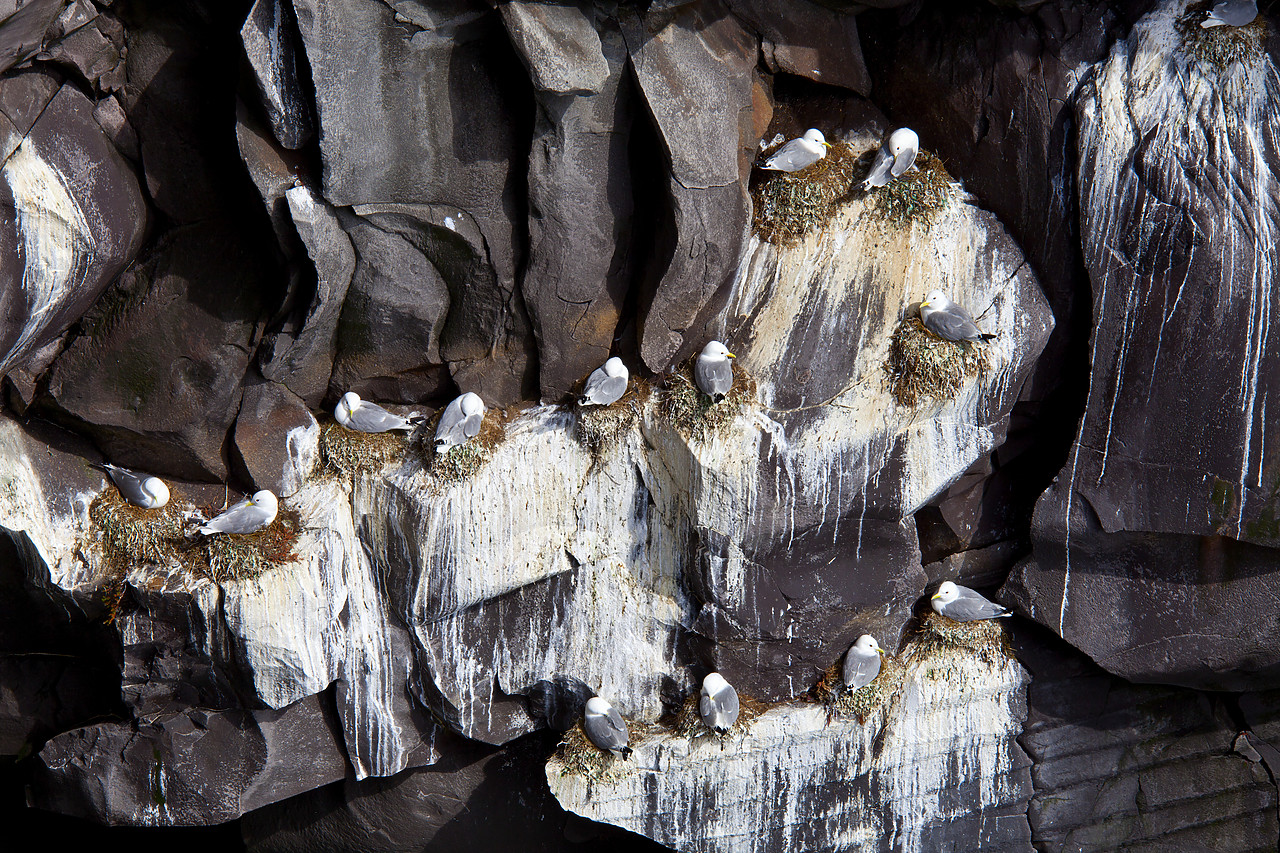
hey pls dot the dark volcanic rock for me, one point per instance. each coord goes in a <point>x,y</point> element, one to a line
<point>269,35</point>
<point>559,46</point>
<point>1153,550</point>
<point>809,40</point>
<point>277,438</point>
<point>23,29</point>
<point>71,212</point>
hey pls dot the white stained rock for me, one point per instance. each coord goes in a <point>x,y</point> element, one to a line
<point>794,781</point>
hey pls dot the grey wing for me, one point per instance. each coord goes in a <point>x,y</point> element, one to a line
<point>726,703</point>
<point>971,606</point>
<point>450,429</point>
<point>879,174</point>
<point>471,425</point>
<point>903,162</point>
<point>241,518</point>
<point>953,324</point>
<point>129,484</point>
<point>373,418</point>
<point>713,377</point>
<point>791,157</point>
<point>607,732</point>
<point>859,671</point>
<point>603,389</point>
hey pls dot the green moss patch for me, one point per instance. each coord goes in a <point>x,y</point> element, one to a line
<point>939,635</point>
<point>924,367</point>
<point>242,556</point>
<point>790,205</point>
<point>578,756</point>
<point>840,701</point>
<point>599,428</point>
<point>687,722</point>
<point>695,414</point>
<point>1219,47</point>
<point>350,452</point>
<point>918,196</point>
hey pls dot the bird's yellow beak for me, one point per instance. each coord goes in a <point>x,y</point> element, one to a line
<point>828,144</point>
<point>935,595</point>
<point>881,651</point>
<point>924,304</point>
<point>731,355</point>
<point>251,503</point>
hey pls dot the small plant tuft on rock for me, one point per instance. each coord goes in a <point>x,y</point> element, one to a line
<point>578,756</point>
<point>242,556</point>
<point>922,366</point>
<point>349,452</point>
<point>918,196</point>
<point>463,461</point>
<point>840,701</point>
<point>790,205</point>
<point>600,428</point>
<point>687,722</point>
<point>937,635</point>
<point>695,414</point>
<point>1219,47</point>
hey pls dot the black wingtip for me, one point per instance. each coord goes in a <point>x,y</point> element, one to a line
<point>625,752</point>
<point>986,337</point>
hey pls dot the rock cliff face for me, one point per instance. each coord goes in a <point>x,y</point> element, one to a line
<point>220,217</point>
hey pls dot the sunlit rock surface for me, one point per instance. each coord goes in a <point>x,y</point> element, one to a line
<point>1154,547</point>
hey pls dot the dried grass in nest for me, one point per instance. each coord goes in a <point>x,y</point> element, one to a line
<point>918,196</point>
<point>241,556</point>
<point>1219,47</point>
<point>922,366</point>
<point>694,413</point>
<point>937,634</point>
<point>578,756</point>
<point>790,205</point>
<point>350,452</point>
<point>130,535</point>
<point>599,428</point>
<point>461,462</point>
<point>840,701</point>
<point>687,722</point>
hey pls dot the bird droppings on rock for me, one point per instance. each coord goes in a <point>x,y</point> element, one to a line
<point>461,462</point>
<point>840,701</point>
<point>918,196</point>
<point>244,556</point>
<point>1219,47</point>
<point>687,721</point>
<point>348,452</point>
<point>695,414</point>
<point>599,428</point>
<point>939,635</point>
<point>576,755</point>
<point>790,205</point>
<point>923,367</point>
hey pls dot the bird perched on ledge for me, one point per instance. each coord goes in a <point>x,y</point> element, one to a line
<point>363,416</point>
<point>862,662</point>
<point>606,384</point>
<point>461,421</point>
<point>799,153</point>
<point>718,704</point>
<point>961,604</point>
<point>712,373</point>
<point>1231,13</point>
<point>605,727</point>
<point>138,489</point>
<point>251,514</point>
<point>897,154</point>
<point>948,320</point>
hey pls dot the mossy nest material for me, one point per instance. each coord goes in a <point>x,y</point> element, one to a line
<point>695,414</point>
<point>790,205</point>
<point>687,722</point>
<point>1219,47</point>
<point>937,634</point>
<point>840,701</point>
<point>922,366</point>
<point>461,462</point>
<point>350,452</point>
<point>599,428</point>
<point>130,535</point>
<point>242,556</point>
<point>918,196</point>
<point>578,756</point>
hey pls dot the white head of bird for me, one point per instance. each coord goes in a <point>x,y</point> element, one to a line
<point>597,707</point>
<point>265,499</point>
<point>159,492</point>
<point>936,299</point>
<point>471,404</point>
<point>716,351</point>
<point>867,646</point>
<point>615,367</point>
<point>346,407</point>
<point>902,139</point>
<point>714,683</point>
<point>815,136</point>
<point>946,593</point>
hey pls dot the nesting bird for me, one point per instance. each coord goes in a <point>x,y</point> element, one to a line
<point>460,421</point>
<point>1231,13</point>
<point>138,489</point>
<point>961,604</point>
<point>363,416</point>
<point>712,372</point>
<point>862,662</point>
<point>896,155</point>
<point>718,704</point>
<point>605,727</point>
<point>251,514</point>
<point>948,320</point>
<point>606,384</point>
<point>799,153</point>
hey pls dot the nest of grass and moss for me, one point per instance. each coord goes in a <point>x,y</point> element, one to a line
<point>1219,47</point>
<point>243,556</point>
<point>687,722</point>
<point>937,635</point>
<point>130,535</point>
<point>840,701</point>
<point>461,462</point>
<point>599,428</point>
<point>696,415</point>
<point>578,756</point>
<point>920,195</point>
<point>350,452</point>
<point>922,366</point>
<point>790,205</point>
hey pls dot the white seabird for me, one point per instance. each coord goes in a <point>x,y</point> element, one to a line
<point>606,384</point>
<point>948,320</point>
<point>718,705</point>
<point>799,153</point>
<point>605,727</point>
<point>961,604</point>
<point>712,372</point>
<point>138,489</point>
<point>363,416</point>
<point>253,513</point>
<point>896,155</point>
<point>862,662</point>
<point>461,421</point>
<point>1231,13</point>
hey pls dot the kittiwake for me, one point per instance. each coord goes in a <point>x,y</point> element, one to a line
<point>799,153</point>
<point>461,421</point>
<point>961,604</point>
<point>606,384</point>
<point>363,416</point>
<point>138,489</point>
<point>712,372</point>
<point>948,320</point>
<point>718,705</point>
<point>1231,13</point>
<point>862,662</point>
<point>896,155</point>
<point>605,727</point>
<point>253,513</point>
